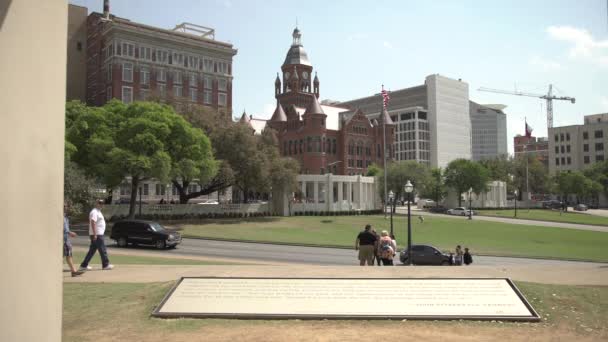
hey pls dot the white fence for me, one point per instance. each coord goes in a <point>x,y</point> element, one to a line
<point>186,209</point>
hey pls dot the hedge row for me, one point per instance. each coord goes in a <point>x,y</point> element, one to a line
<point>190,216</point>
<point>338,213</point>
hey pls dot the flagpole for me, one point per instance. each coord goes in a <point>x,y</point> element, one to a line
<point>384,147</point>
<point>528,136</point>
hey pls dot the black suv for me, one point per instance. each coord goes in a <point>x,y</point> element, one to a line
<point>425,255</point>
<point>141,232</point>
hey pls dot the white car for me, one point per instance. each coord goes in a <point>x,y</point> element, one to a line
<point>209,202</point>
<point>460,211</point>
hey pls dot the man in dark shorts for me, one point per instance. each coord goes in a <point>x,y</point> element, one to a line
<point>365,243</point>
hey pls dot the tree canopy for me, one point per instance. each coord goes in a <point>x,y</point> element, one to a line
<point>139,141</point>
<point>463,174</point>
<point>398,173</point>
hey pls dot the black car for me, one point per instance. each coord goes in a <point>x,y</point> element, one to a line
<point>141,232</point>
<point>425,255</point>
<point>552,204</point>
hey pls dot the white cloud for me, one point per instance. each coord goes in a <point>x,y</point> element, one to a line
<point>544,64</point>
<point>387,45</point>
<point>604,102</point>
<point>583,44</point>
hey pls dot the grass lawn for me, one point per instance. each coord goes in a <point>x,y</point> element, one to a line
<point>124,310</point>
<point>548,215</point>
<point>118,259</point>
<point>482,237</point>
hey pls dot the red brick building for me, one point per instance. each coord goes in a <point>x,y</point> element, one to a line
<point>132,61</point>
<point>537,147</point>
<point>323,138</point>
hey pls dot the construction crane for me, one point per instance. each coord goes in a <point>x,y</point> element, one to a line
<point>549,97</point>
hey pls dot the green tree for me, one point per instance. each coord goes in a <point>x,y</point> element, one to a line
<point>462,175</point>
<point>374,170</point>
<point>435,187</point>
<point>598,173</point>
<point>191,157</point>
<point>398,173</point>
<point>538,179</point>
<point>78,189</point>
<point>90,133</point>
<point>138,141</point>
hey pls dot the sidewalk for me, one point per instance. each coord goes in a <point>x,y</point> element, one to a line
<point>592,274</point>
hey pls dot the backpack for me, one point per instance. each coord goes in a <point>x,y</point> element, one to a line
<point>386,250</point>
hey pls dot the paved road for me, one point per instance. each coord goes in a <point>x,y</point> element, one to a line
<point>295,254</point>
<point>417,212</point>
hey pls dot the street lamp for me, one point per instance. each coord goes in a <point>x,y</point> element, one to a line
<point>408,187</point>
<point>391,198</point>
<point>515,200</point>
<point>470,209</point>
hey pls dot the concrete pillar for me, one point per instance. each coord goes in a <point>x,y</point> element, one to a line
<point>304,191</point>
<point>359,192</point>
<point>349,194</point>
<point>340,195</point>
<point>32,149</point>
<point>330,193</point>
<point>316,192</point>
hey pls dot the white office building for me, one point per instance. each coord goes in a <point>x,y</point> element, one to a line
<point>433,123</point>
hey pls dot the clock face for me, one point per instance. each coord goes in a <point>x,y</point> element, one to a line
<point>287,75</point>
<point>305,75</point>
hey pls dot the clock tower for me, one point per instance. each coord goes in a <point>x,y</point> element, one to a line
<point>297,88</point>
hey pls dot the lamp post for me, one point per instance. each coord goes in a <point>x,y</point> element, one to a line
<point>408,187</point>
<point>470,209</point>
<point>391,198</point>
<point>515,200</point>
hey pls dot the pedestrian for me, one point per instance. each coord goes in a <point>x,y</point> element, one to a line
<point>67,244</point>
<point>365,243</point>
<point>420,218</point>
<point>458,256</point>
<point>387,249</point>
<point>97,227</point>
<point>376,250</point>
<point>468,258</point>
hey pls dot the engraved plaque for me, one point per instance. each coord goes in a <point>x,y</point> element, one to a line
<point>315,298</point>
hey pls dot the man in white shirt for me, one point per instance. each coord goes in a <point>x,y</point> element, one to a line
<point>97,227</point>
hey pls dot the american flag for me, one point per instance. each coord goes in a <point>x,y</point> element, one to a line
<point>385,97</point>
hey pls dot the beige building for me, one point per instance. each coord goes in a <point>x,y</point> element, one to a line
<point>577,147</point>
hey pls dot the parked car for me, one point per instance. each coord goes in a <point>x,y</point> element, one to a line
<point>581,207</point>
<point>438,209</point>
<point>460,211</point>
<point>141,232</point>
<point>425,255</point>
<point>210,201</point>
<point>552,204</point>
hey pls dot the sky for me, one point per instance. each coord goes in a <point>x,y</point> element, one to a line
<point>357,46</point>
